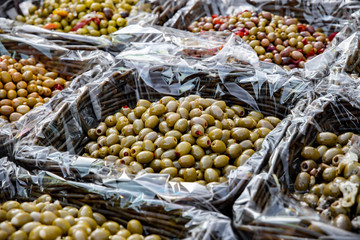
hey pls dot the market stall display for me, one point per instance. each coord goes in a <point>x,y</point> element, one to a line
<point>159,119</point>
<point>313,171</point>
<point>34,206</point>
<point>58,139</point>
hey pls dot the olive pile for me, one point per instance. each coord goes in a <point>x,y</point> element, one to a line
<point>43,219</point>
<point>86,17</point>
<point>276,39</point>
<point>193,139</point>
<point>24,85</point>
<point>330,180</point>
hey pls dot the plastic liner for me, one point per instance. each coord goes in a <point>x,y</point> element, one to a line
<point>162,10</point>
<point>329,15</point>
<point>266,208</point>
<point>68,63</point>
<point>170,221</point>
<point>59,131</point>
<point>68,40</point>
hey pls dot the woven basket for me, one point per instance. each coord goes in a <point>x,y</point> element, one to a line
<point>170,221</point>
<point>66,130</point>
<point>67,63</point>
<point>335,113</point>
<point>329,15</point>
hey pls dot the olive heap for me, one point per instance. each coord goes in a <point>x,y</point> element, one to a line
<point>86,17</point>
<point>329,180</point>
<point>276,39</point>
<point>25,84</point>
<point>44,219</point>
<point>192,139</point>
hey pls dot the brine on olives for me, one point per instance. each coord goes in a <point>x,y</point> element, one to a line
<point>89,17</point>
<point>192,139</point>
<point>275,39</point>
<point>45,219</point>
<point>25,84</point>
<point>329,180</point>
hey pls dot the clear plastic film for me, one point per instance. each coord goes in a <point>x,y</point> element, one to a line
<point>143,12</point>
<point>66,63</point>
<point>167,220</point>
<point>272,205</point>
<point>59,134</point>
<point>329,15</point>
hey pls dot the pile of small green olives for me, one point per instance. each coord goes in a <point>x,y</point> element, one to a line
<point>192,139</point>
<point>86,17</point>
<point>25,84</point>
<point>329,179</point>
<point>44,219</point>
<point>276,39</point>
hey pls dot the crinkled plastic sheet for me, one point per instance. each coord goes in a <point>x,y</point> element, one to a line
<point>68,63</point>
<point>329,15</point>
<point>266,208</point>
<point>170,221</point>
<point>52,137</point>
<point>162,11</point>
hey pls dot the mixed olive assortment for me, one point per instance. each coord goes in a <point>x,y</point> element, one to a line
<point>86,17</point>
<point>192,139</point>
<point>44,219</point>
<point>25,84</point>
<point>276,39</point>
<point>329,179</point>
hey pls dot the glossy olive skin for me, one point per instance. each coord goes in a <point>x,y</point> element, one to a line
<point>68,222</point>
<point>182,138</point>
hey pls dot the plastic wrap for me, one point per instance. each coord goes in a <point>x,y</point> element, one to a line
<point>52,138</point>
<point>329,15</point>
<point>170,221</point>
<point>162,10</point>
<point>268,207</point>
<point>68,63</point>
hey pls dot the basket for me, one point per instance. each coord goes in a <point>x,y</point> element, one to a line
<point>333,112</point>
<point>329,15</point>
<point>169,221</point>
<point>68,63</point>
<point>60,134</point>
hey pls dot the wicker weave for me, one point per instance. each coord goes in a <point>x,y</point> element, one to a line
<point>124,88</point>
<point>337,115</point>
<point>156,216</point>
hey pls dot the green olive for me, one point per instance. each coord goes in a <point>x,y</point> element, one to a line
<point>182,149</point>
<point>190,175</point>
<point>326,138</point>
<point>211,175</point>
<point>342,221</point>
<point>310,153</point>
<point>329,154</point>
<point>206,162</point>
<point>197,152</point>
<point>188,138</point>
<point>302,181</point>
<point>332,189</point>
<point>172,171</point>
<point>168,143</point>
<point>203,141</point>
<point>218,146</point>
<point>329,174</point>
<point>240,133</point>
<point>311,199</point>
<point>145,157</point>
<point>308,165</point>
<point>221,161</point>
<point>197,130</point>
<point>181,125</point>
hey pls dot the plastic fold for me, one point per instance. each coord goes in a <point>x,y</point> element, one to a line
<point>169,221</point>
<point>268,206</point>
